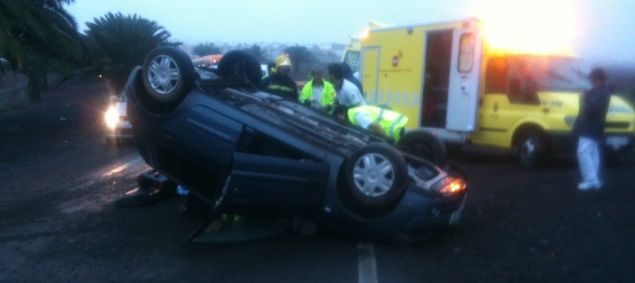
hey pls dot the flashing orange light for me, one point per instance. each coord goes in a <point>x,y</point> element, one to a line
<point>453,187</point>
<point>544,27</point>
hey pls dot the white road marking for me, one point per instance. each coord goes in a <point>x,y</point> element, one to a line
<point>366,264</point>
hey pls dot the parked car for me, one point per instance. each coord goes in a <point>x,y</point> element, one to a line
<point>118,128</point>
<point>241,150</point>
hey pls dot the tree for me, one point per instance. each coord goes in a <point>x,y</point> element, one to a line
<point>206,48</point>
<point>301,59</point>
<point>118,43</point>
<point>258,52</point>
<point>36,35</point>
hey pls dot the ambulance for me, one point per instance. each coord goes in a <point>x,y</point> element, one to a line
<point>453,85</point>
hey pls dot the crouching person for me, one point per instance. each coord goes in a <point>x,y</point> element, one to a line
<point>379,120</point>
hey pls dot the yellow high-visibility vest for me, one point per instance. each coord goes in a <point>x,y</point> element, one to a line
<point>328,93</point>
<point>392,122</point>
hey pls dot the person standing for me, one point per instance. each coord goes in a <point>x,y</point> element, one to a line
<point>347,72</point>
<point>279,82</point>
<point>589,128</point>
<point>317,92</point>
<point>347,93</point>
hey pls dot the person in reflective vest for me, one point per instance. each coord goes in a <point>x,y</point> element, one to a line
<point>317,92</point>
<point>379,120</point>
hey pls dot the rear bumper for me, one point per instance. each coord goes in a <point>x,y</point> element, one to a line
<point>417,214</point>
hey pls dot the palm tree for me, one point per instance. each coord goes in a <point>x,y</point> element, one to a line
<point>36,35</point>
<point>118,43</point>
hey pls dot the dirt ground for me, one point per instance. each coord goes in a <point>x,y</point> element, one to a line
<point>58,221</point>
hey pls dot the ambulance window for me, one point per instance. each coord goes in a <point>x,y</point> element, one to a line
<point>466,52</point>
<point>496,76</point>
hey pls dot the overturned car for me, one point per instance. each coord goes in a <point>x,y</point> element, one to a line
<point>241,150</point>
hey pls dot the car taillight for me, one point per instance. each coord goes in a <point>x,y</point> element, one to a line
<point>453,186</point>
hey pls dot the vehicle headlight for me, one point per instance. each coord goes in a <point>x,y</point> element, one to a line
<point>620,109</point>
<point>111,116</point>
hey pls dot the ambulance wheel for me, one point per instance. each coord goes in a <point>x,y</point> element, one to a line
<point>242,66</point>
<point>376,178</point>
<point>532,148</point>
<point>423,145</point>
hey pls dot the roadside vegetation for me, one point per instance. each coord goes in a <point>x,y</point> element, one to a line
<point>117,43</point>
<point>38,36</point>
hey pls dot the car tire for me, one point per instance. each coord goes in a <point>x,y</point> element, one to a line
<point>168,75</point>
<point>242,66</point>
<point>376,178</point>
<point>453,148</point>
<point>531,150</point>
<point>423,145</point>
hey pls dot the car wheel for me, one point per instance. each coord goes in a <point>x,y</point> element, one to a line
<point>240,65</point>
<point>168,75</point>
<point>531,149</point>
<point>423,145</point>
<point>376,179</point>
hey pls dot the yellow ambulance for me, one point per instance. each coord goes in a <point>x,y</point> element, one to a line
<point>450,83</point>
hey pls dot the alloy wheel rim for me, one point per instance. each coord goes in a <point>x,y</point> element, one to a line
<point>163,74</point>
<point>373,175</point>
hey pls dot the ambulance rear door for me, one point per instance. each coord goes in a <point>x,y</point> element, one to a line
<point>370,73</point>
<point>463,89</point>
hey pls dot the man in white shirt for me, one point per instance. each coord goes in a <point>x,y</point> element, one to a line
<point>347,93</point>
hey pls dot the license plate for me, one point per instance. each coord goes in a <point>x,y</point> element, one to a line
<point>616,142</point>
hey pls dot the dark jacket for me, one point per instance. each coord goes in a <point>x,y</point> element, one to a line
<point>594,105</point>
<point>281,85</point>
<point>347,73</point>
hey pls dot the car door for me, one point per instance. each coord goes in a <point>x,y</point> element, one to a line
<point>369,75</point>
<point>205,141</point>
<point>276,184</point>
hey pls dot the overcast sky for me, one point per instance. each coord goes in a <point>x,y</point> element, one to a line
<point>604,29</point>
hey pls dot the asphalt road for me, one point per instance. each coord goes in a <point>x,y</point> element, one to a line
<point>58,221</point>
